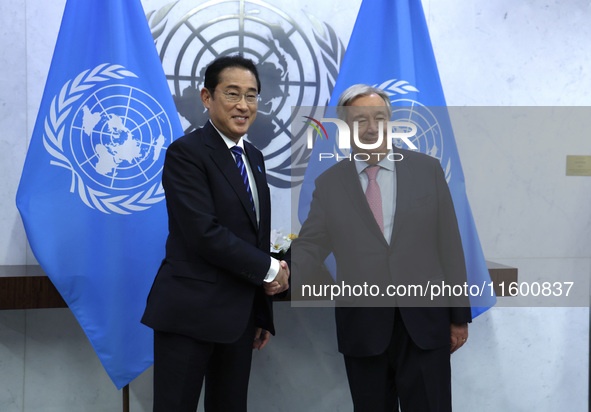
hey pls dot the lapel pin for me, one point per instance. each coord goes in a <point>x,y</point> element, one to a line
<point>260,171</point>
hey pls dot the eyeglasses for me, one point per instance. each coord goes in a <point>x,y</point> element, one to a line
<point>235,97</point>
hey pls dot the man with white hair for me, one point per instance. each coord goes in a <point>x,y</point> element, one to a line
<point>388,217</point>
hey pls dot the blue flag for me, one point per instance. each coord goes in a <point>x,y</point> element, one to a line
<point>390,48</point>
<point>90,194</point>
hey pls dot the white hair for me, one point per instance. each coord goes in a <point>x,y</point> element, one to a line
<point>360,90</point>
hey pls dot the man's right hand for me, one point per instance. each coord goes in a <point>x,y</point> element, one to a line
<point>281,282</point>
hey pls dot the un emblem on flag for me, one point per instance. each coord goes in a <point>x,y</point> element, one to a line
<point>429,136</point>
<point>117,136</point>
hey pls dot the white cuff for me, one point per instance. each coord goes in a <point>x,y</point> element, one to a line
<point>273,271</point>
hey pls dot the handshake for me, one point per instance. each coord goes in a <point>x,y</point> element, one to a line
<point>281,281</point>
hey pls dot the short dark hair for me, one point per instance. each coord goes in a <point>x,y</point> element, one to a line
<point>212,73</point>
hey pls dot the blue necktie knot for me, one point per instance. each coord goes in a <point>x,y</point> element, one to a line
<point>237,150</point>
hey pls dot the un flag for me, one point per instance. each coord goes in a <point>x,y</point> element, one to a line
<point>90,194</point>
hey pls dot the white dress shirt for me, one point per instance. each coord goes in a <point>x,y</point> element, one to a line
<point>274,265</point>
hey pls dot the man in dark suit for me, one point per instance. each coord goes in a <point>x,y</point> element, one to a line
<point>387,216</point>
<point>210,303</point>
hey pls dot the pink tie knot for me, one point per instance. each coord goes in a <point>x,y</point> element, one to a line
<point>372,172</point>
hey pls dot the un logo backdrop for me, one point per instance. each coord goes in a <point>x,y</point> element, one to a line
<point>297,54</point>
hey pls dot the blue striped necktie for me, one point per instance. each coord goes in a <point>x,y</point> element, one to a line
<point>237,150</point>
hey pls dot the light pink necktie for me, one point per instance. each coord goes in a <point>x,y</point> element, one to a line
<point>374,195</point>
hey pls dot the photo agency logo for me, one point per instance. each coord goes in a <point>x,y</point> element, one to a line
<point>378,144</point>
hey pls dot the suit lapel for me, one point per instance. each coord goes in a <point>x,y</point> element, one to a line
<point>404,183</point>
<point>258,171</point>
<point>223,158</point>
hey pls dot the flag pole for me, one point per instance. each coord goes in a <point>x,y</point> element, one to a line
<point>126,398</point>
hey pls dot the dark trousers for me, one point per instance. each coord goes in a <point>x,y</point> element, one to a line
<point>416,380</point>
<point>182,363</point>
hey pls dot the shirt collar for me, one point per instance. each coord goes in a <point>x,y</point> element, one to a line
<point>384,163</point>
<point>229,142</point>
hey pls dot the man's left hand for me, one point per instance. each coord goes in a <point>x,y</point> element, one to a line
<point>459,336</point>
<point>261,337</point>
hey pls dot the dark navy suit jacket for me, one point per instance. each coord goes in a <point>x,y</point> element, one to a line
<point>216,254</point>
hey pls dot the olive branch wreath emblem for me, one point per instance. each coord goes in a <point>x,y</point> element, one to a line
<point>53,139</point>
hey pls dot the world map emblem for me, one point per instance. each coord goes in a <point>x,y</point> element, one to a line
<point>114,142</point>
<point>429,135</point>
<point>290,70</point>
